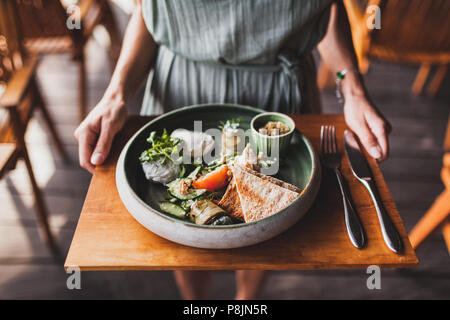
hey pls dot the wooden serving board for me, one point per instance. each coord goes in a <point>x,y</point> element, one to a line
<point>108,238</point>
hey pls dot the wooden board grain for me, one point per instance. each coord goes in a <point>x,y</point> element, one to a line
<point>108,238</point>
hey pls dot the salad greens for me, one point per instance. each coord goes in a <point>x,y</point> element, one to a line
<point>162,148</point>
<point>193,189</point>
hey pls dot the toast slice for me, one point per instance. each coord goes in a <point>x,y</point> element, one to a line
<point>230,201</point>
<point>276,181</point>
<point>259,197</point>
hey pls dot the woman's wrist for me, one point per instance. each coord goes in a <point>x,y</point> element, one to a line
<point>115,95</point>
<point>118,88</point>
<point>353,85</point>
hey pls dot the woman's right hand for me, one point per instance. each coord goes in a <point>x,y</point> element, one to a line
<point>96,133</point>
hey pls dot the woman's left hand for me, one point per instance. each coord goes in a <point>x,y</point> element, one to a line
<point>368,124</point>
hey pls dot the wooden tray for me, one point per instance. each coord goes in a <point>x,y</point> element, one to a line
<point>108,238</point>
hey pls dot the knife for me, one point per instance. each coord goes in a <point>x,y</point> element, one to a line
<point>361,170</point>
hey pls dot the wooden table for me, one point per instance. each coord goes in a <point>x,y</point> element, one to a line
<point>108,238</point>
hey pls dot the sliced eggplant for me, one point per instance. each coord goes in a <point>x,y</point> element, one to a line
<point>205,212</point>
<point>222,221</point>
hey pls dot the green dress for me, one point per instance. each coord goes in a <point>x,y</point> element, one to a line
<point>251,52</point>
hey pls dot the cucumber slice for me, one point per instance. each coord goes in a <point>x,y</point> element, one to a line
<point>174,188</point>
<point>173,183</point>
<point>194,173</point>
<point>173,209</point>
<point>188,196</point>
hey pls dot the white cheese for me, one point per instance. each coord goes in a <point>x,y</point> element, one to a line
<point>162,173</point>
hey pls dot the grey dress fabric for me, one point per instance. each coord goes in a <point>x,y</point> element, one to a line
<point>252,52</point>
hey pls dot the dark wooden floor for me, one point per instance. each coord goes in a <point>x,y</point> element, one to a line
<point>28,271</point>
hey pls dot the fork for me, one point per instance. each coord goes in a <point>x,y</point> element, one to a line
<point>332,160</point>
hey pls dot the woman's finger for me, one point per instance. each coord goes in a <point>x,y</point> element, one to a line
<point>104,143</point>
<point>85,146</point>
<point>380,128</point>
<point>368,140</point>
<point>383,142</point>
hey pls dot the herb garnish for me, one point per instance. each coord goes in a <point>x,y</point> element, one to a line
<point>230,124</point>
<point>162,148</point>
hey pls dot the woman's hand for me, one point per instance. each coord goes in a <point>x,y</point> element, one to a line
<point>337,51</point>
<point>95,134</point>
<point>368,124</point>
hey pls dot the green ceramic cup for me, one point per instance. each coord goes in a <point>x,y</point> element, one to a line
<point>272,145</point>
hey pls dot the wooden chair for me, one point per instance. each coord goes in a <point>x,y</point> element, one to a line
<point>19,97</point>
<point>439,213</point>
<point>413,31</point>
<point>44,28</point>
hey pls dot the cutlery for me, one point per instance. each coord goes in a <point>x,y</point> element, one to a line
<point>332,160</point>
<point>361,170</point>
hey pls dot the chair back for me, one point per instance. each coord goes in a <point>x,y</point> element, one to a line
<point>43,25</point>
<point>42,19</point>
<point>11,50</point>
<point>414,26</point>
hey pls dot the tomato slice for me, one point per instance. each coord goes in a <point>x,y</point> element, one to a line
<point>214,180</point>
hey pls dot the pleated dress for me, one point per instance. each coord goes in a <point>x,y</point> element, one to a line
<point>250,52</point>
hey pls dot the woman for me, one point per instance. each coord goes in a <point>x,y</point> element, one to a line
<point>249,52</point>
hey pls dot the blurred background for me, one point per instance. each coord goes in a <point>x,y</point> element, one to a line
<point>405,66</point>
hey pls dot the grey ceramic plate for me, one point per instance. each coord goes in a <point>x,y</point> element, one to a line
<point>300,166</point>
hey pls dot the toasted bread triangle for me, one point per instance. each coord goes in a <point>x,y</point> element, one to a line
<point>259,197</point>
<point>230,201</point>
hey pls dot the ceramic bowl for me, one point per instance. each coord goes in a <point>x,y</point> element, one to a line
<point>272,145</point>
<point>141,197</point>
